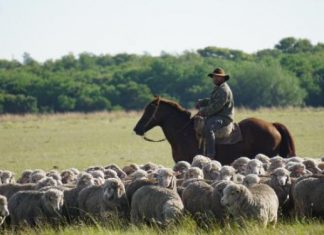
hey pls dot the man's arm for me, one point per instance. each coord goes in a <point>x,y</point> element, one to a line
<point>216,103</point>
<point>203,102</point>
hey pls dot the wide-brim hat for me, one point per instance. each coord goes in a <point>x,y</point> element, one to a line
<point>219,72</point>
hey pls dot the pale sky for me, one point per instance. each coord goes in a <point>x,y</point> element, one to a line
<point>49,29</point>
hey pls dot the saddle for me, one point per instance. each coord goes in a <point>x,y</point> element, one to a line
<point>230,134</point>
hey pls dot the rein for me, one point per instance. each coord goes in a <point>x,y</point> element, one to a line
<point>153,118</point>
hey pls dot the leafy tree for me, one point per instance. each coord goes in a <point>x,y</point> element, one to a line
<point>262,85</point>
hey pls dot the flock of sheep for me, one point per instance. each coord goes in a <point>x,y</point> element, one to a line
<point>259,189</point>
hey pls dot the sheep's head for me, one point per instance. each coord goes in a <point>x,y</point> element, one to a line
<point>199,161</point>
<point>240,164</point>
<point>7,177</point>
<point>47,181</point>
<point>138,174</point>
<point>181,168</point>
<point>220,185</point>
<point>231,194</point>
<point>211,170</point>
<point>25,177</point>
<point>110,173</point>
<point>84,180</point>
<point>113,189</point>
<point>129,169</point>
<point>312,166</point>
<point>37,175</point>
<point>255,167</point>
<point>194,173</point>
<point>68,176</point>
<point>297,169</point>
<point>281,175</point>
<point>227,173</point>
<point>166,178</point>
<point>54,199</point>
<point>263,158</point>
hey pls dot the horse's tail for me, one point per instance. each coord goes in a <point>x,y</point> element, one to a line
<point>287,145</point>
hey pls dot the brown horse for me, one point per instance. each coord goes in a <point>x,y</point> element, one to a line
<point>259,136</point>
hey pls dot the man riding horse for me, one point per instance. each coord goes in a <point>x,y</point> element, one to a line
<point>218,110</point>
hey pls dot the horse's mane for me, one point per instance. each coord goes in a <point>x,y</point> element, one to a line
<point>173,104</point>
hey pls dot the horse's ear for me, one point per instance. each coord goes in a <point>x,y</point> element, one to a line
<point>157,97</point>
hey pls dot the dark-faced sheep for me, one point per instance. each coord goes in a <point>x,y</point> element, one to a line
<point>104,201</point>
<point>308,196</point>
<point>203,202</point>
<point>4,212</point>
<point>35,207</point>
<point>155,204</point>
<point>259,203</point>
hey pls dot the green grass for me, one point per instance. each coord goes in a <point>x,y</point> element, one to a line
<point>82,140</point>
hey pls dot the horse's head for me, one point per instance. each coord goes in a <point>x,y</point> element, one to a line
<point>150,118</point>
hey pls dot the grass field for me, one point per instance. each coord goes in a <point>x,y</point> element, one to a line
<point>81,140</point>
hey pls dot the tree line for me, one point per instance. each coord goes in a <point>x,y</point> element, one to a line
<point>290,74</point>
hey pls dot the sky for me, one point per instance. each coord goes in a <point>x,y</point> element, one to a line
<point>50,29</point>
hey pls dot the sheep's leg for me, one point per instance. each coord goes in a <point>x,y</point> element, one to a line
<point>135,217</point>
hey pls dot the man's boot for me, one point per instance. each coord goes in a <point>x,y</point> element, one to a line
<point>210,144</point>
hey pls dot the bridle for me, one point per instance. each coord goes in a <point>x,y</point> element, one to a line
<point>150,120</point>
<point>153,118</point>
